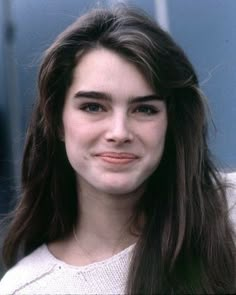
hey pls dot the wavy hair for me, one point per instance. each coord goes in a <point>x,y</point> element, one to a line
<point>187,244</point>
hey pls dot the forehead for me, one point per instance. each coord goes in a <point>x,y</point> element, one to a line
<point>104,70</point>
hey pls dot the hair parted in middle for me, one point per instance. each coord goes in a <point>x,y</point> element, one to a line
<point>155,54</point>
<point>181,222</point>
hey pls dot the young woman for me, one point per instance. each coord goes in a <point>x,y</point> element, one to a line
<point>119,193</point>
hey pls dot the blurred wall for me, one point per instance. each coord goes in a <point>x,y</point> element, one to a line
<point>206,29</point>
<point>6,180</point>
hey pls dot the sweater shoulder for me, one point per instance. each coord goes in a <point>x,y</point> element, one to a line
<point>28,270</point>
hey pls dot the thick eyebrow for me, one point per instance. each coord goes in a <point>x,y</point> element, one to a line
<point>106,96</point>
<point>93,94</point>
<point>146,98</point>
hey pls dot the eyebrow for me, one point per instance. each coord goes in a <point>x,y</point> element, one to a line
<point>106,96</point>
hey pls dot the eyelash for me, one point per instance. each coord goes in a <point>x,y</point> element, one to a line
<point>150,110</point>
<point>86,107</point>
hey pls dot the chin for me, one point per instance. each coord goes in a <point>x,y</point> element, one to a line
<point>119,189</point>
<point>116,190</point>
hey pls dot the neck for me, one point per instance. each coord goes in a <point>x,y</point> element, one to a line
<point>103,227</point>
<point>105,220</point>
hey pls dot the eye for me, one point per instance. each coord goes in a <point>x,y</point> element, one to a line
<point>92,108</point>
<point>146,109</point>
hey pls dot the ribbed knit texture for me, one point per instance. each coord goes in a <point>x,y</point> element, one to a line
<point>42,273</point>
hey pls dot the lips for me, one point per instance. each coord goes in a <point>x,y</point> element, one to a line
<point>117,158</point>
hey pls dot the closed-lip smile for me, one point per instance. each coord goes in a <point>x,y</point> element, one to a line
<point>117,158</point>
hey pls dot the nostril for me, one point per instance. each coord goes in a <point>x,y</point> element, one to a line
<point>119,129</point>
<point>119,136</point>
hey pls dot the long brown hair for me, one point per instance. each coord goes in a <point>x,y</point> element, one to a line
<point>187,245</point>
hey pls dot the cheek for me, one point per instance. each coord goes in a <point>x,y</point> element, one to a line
<point>74,127</point>
<point>155,147</point>
<point>79,138</point>
<point>155,135</point>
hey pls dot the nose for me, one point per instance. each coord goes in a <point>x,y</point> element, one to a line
<point>119,129</point>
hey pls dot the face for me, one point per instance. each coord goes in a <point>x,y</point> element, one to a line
<point>114,124</point>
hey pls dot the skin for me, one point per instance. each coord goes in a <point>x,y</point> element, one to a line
<point>112,123</point>
<point>114,128</point>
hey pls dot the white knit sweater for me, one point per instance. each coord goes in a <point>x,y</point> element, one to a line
<point>42,273</point>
